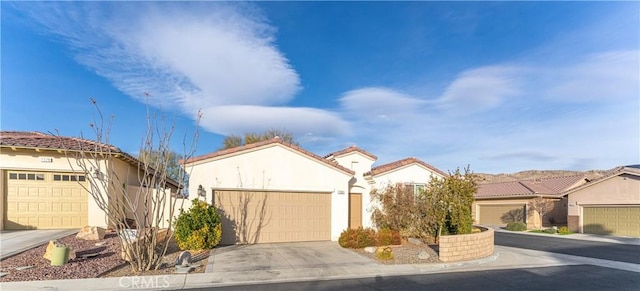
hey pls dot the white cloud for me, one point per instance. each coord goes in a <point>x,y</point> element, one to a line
<point>249,118</point>
<point>217,57</point>
<point>480,89</point>
<point>599,77</point>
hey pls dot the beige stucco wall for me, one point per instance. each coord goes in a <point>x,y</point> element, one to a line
<point>360,164</point>
<point>274,167</point>
<point>409,174</point>
<point>30,160</point>
<point>618,190</point>
<point>3,190</point>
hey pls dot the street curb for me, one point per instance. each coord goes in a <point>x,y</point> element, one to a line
<point>579,236</point>
<point>177,281</point>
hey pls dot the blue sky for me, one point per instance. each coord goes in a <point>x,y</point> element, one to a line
<point>502,86</point>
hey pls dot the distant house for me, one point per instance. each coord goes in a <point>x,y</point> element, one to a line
<point>607,205</point>
<point>501,203</point>
<point>41,190</point>
<point>272,191</point>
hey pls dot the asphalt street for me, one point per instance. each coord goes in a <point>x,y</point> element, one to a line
<point>577,277</point>
<point>591,249</point>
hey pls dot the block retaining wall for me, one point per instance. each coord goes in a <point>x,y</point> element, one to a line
<point>464,247</point>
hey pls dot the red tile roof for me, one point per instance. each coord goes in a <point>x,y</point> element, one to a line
<point>351,149</point>
<point>275,140</point>
<point>554,186</point>
<point>34,139</point>
<point>39,140</point>
<point>399,164</point>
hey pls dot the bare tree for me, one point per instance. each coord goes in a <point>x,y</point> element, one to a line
<point>142,215</point>
<point>541,205</point>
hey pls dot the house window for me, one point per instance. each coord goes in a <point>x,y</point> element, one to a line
<point>415,187</point>
<point>26,176</point>
<point>68,178</point>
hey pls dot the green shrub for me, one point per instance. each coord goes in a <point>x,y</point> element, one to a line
<point>564,230</point>
<point>384,253</point>
<point>357,238</point>
<point>199,228</point>
<point>550,230</point>
<point>516,226</point>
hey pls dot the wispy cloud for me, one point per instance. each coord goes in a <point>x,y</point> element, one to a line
<point>217,57</point>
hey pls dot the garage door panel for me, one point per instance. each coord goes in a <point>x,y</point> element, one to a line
<point>44,203</point>
<point>501,214</point>
<point>286,216</point>
<point>617,220</point>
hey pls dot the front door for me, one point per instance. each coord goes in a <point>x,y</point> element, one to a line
<point>355,210</point>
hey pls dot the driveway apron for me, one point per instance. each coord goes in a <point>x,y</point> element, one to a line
<point>281,256</point>
<point>14,242</point>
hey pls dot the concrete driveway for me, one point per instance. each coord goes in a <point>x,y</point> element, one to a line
<point>17,241</point>
<point>285,256</point>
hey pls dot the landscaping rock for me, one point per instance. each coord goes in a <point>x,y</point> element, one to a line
<point>424,255</point>
<point>99,244</point>
<point>49,252</point>
<point>182,269</point>
<point>414,241</point>
<point>23,268</point>
<point>91,233</point>
<point>370,250</point>
<point>184,259</point>
<point>3,274</point>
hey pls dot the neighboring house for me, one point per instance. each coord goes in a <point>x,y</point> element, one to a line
<point>607,205</point>
<point>42,190</point>
<point>501,203</point>
<point>272,191</point>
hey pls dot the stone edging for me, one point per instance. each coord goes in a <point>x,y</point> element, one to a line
<point>464,247</point>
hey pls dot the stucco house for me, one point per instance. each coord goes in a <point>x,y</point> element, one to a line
<point>42,190</point>
<point>272,191</point>
<point>607,205</point>
<point>500,203</point>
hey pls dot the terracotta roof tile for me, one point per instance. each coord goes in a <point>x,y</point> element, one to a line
<point>351,149</point>
<point>554,186</point>
<point>264,143</point>
<point>34,139</point>
<point>401,163</point>
<point>39,140</point>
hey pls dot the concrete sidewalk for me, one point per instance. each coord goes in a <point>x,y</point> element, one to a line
<point>504,258</point>
<point>15,242</point>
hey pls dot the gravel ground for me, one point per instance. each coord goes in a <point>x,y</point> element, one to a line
<point>107,264</point>
<point>406,253</point>
<point>198,258</point>
<point>75,269</point>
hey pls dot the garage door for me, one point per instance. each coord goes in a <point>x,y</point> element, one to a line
<point>265,217</point>
<point>619,220</point>
<point>501,214</point>
<point>37,200</point>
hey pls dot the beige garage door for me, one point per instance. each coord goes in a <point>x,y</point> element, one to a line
<point>501,214</point>
<point>265,217</point>
<point>619,220</point>
<point>37,200</point>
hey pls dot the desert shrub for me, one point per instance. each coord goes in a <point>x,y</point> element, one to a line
<point>384,237</point>
<point>199,228</point>
<point>550,230</point>
<point>564,230</point>
<point>384,253</point>
<point>357,238</point>
<point>396,238</point>
<point>516,226</point>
